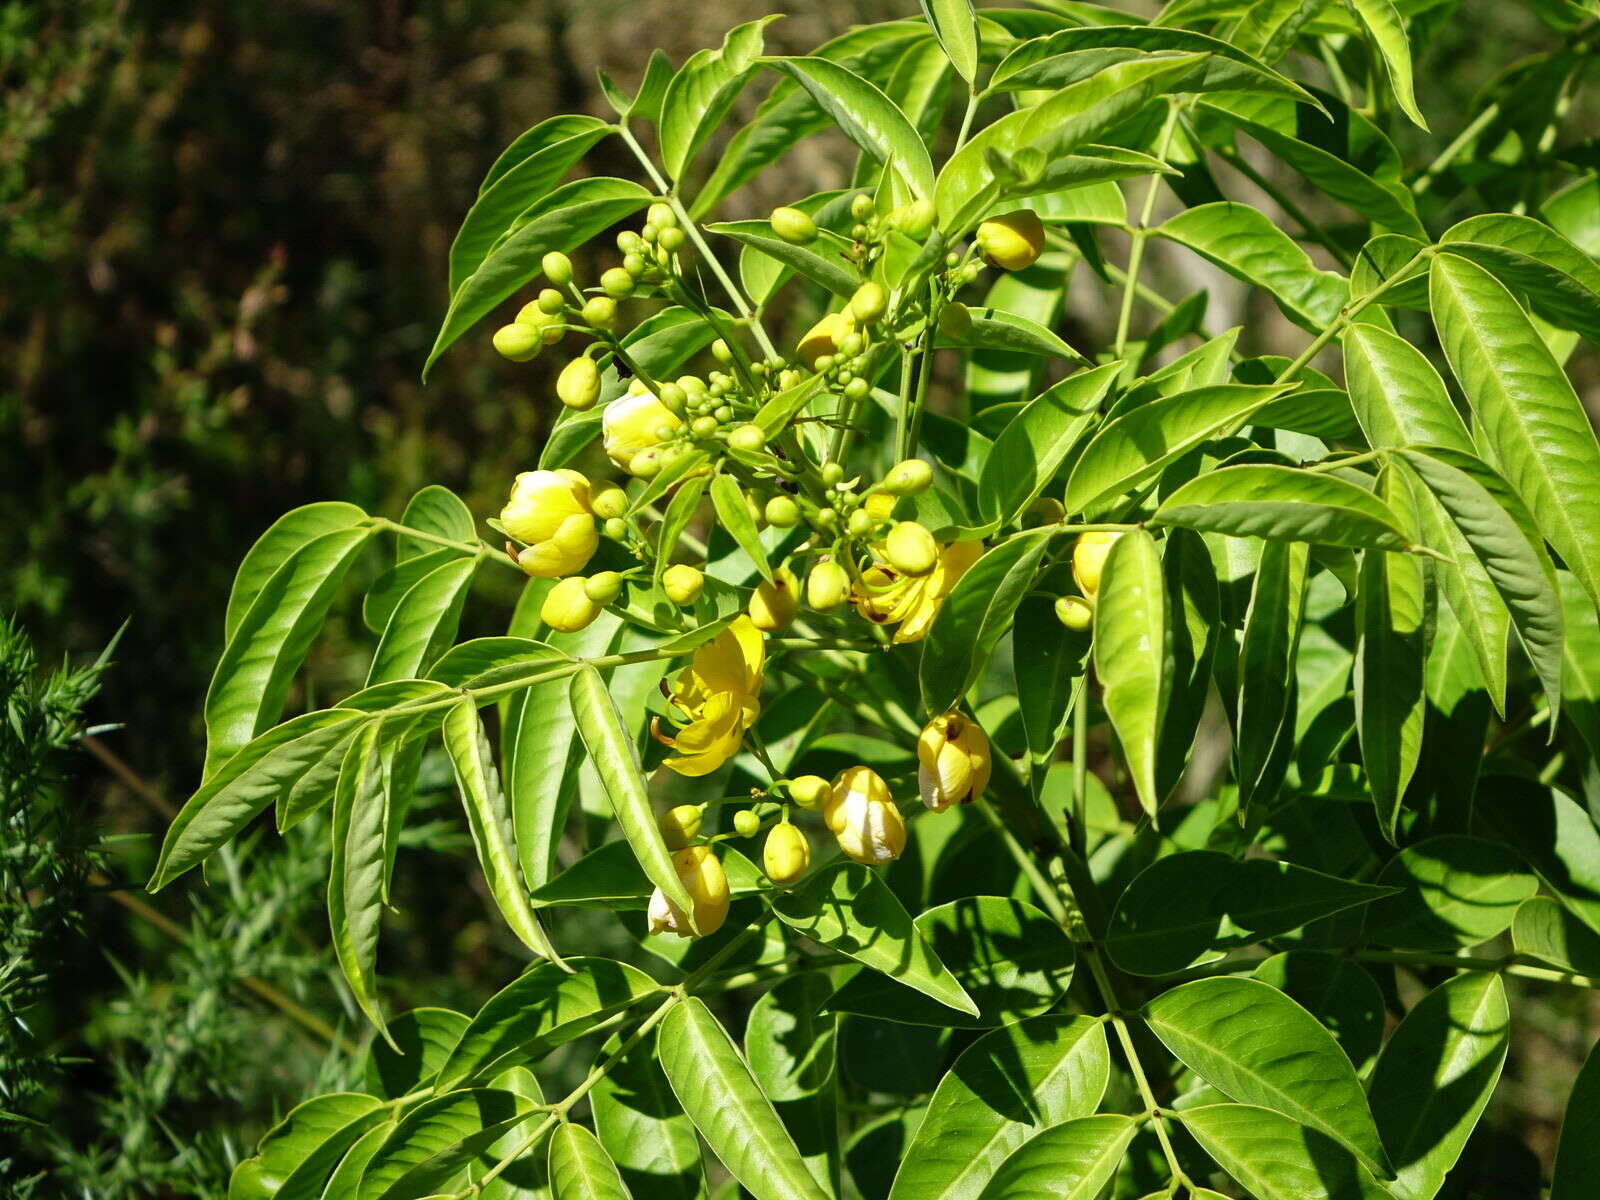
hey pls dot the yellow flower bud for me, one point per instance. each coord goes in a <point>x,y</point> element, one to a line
<point>773,605</point>
<point>1089,560</point>
<point>611,502</point>
<point>746,823</point>
<point>557,268</point>
<point>1075,612</point>
<point>679,826</point>
<point>550,512</point>
<point>631,425</point>
<point>786,854</point>
<point>600,312</point>
<point>793,226</point>
<point>517,342</point>
<point>824,337</point>
<point>1012,241</point>
<point>909,478</point>
<point>578,385</point>
<point>682,584</point>
<point>869,303</point>
<point>910,548</point>
<point>810,791</point>
<point>880,505</point>
<point>568,607</point>
<point>861,815</point>
<point>702,875</point>
<point>952,761</point>
<point>827,587</point>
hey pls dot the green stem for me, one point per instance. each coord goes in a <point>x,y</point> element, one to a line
<point>1141,232</point>
<point>1450,153</point>
<point>482,549</point>
<point>1041,886</point>
<point>1347,314</point>
<point>1079,832</point>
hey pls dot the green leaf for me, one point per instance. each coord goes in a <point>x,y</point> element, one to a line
<point>823,261</point>
<point>1257,1046</point>
<point>616,757</point>
<point>1391,611</point>
<point>851,910</point>
<point>346,1178</point>
<point>1138,444</point>
<point>520,178</point>
<point>609,876</point>
<point>790,1044</point>
<point>733,514</point>
<point>422,1039</point>
<point>1456,891</point>
<point>386,592</point>
<point>1194,617</point>
<point>1561,282</point>
<point>996,329</point>
<point>1034,444</point>
<point>1544,930</point>
<point>489,816</point>
<point>1133,655</point>
<point>1010,958</point>
<point>580,1168</point>
<point>869,119</point>
<point>253,677</point>
<point>435,1140</point>
<point>1276,1159</point>
<point>1528,416</point>
<point>1283,504</point>
<point>246,784</point>
<point>1268,28</point>
<point>1339,993</point>
<point>716,1089</point>
<point>563,220</point>
<point>1005,1087</point>
<point>356,867</point>
<point>1552,833</point>
<point>287,535</point>
<point>1387,33</point>
<point>644,1128</point>
<point>956,27</point>
<point>1393,268</point>
<point>1398,397</point>
<point>1244,242</point>
<point>1071,1161</point>
<point>297,1154</point>
<point>1435,1076</point>
<point>545,1008</point>
<point>1226,904</point>
<point>701,93</point>
<point>1578,1151</point>
<point>1497,531</point>
<point>423,623</point>
<point>1049,676</point>
<point>1264,710</point>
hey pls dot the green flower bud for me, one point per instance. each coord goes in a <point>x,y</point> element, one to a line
<point>909,478</point>
<point>782,512</point>
<point>703,426</point>
<point>860,524</point>
<point>629,242</point>
<point>661,216</point>
<point>910,548</point>
<point>955,319</point>
<point>600,312</point>
<point>681,825</point>
<point>557,268</point>
<point>788,379</point>
<point>721,351</point>
<point>670,240</point>
<point>773,605</point>
<point>861,206</point>
<point>616,528</point>
<point>827,587</point>
<point>1076,613</point>
<point>682,584</point>
<point>831,473</point>
<point>915,220</point>
<point>645,463</point>
<point>857,388</point>
<point>616,283</point>
<point>746,823</point>
<point>517,342</point>
<point>722,413</point>
<point>869,304</point>
<point>649,233</point>
<point>749,438</point>
<point>673,397</point>
<point>551,302</point>
<point>827,517</point>
<point>610,502</point>
<point>810,791</point>
<point>793,226</point>
<point>578,385</point>
<point>603,587</point>
<point>633,265</point>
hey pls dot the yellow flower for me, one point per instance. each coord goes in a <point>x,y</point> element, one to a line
<point>862,817</point>
<point>773,605</point>
<point>551,514</point>
<point>824,337</point>
<point>1089,560</point>
<point>634,423</point>
<point>720,694</point>
<point>886,597</point>
<point>952,761</point>
<point>702,875</point>
<point>568,607</point>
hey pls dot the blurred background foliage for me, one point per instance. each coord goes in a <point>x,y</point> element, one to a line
<point>223,235</point>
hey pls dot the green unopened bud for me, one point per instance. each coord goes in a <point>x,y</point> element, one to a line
<point>1012,241</point>
<point>911,477</point>
<point>857,388</point>
<point>810,791</point>
<point>915,220</point>
<point>616,283</point>
<point>603,587</point>
<point>861,206</point>
<point>578,385</point>
<point>827,587</point>
<point>1076,613</point>
<point>633,264</point>
<point>681,825</point>
<point>629,242</point>
<point>869,304</point>
<point>746,823</point>
<point>773,605</point>
<point>910,548</point>
<point>645,463</point>
<point>793,226</point>
<point>788,378</point>
<point>610,502</point>
<point>660,215</point>
<point>551,301</point>
<point>751,439</point>
<point>616,528</point>
<point>670,240</point>
<point>782,512</point>
<point>682,584</point>
<point>955,319</point>
<point>1045,510</point>
<point>703,426</point>
<point>831,473</point>
<point>721,351</point>
<point>600,312</point>
<point>673,397</point>
<point>557,268</point>
<point>517,342</point>
<point>860,524</point>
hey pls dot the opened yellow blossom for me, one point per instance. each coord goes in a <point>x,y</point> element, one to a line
<point>861,815</point>
<point>952,761</point>
<point>634,423</point>
<point>719,695</point>
<point>884,596</point>
<point>702,876</point>
<point>550,512</point>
